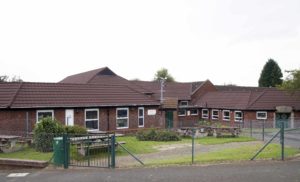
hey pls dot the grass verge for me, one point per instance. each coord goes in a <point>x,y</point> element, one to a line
<point>28,153</point>
<point>273,151</point>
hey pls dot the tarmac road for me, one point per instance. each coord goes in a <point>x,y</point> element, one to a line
<point>274,171</point>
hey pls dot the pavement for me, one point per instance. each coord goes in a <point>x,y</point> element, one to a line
<point>258,171</point>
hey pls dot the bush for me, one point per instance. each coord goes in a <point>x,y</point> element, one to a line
<point>75,130</point>
<point>44,132</point>
<point>153,135</point>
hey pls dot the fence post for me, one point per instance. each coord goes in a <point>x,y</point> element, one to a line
<point>113,153</point>
<point>65,143</point>
<point>251,128</point>
<point>193,145</point>
<point>263,131</point>
<point>282,140</point>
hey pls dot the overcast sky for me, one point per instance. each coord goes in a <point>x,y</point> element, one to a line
<point>225,41</point>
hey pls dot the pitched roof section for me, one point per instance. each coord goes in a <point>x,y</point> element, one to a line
<point>179,90</point>
<point>8,92</point>
<point>239,88</point>
<point>101,75</point>
<point>267,99</point>
<point>46,95</point>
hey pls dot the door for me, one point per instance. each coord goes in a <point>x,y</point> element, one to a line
<point>282,117</point>
<point>69,120</point>
<point>169,119</point>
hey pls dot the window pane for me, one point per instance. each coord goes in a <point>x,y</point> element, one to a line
<point>141,112</point>
<point>91,114</point>
<point>122,123</point>
<point>92,124</point>
<point>141,121</point>
<point>122,113</point>
<point>194,111</point>
<point>42,115</point>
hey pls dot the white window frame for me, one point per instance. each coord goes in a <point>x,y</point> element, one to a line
<point>213,116</point>
<point>184,101</point>
<point>91,119</point>
<point>182,114</point>
<point>196,114</point>
<point>38,111</point>
<point>205,116</point>
<point>226,119</point>
<point>122,108</point>
<point>141,117</point>
<point>260,112</point>
<point>238,119</point>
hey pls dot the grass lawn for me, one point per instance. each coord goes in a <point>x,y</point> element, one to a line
<point>28,153</point>
<point>273,151</point>
<point>141,147</point>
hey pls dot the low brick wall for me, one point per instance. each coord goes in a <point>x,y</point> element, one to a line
<point>23,163</point>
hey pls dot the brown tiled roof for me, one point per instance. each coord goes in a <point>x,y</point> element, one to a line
<point>43,95</point>
<point>239,88</point>
<point>179,90</point>
<point>101,75</point>
<point>266,99</point>
<point>224,100</point>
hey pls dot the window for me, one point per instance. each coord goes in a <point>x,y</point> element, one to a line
<point>194,112</point>
<point>122,118</point>
<point>92,119</point>
<point>40,114</point>
<point>184,103</point>
<point>226,115</point>
<point>205,113</point>
<point>215,114</point>
<point>238,116</point>
<point>141,117</point>
<point>261,115</point>
<point>181,112</point>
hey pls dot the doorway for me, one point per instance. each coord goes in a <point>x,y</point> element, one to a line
<point>169,119</point>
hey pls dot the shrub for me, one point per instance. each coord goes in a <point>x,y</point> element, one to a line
<point>75,130</point>
<point>153,135</point>
<point>44,132</point>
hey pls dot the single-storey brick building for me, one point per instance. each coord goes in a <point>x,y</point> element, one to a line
<point>101,100</point>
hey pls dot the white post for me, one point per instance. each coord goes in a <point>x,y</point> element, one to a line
<point>162,82</point>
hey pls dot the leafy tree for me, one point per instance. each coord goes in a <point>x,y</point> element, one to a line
<point>271,75</point>
<point>6,78</point>
<point>163,74</point>
<point>292,82</point>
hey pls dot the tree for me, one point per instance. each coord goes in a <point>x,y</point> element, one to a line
<point>163,74</point>
<point>271,75</point>
<point>292,82</point>
<point>6,78</point>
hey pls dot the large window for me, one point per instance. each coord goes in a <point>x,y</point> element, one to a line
<point>261,115</point>
<point>215,114</point>
<point>238,116</point>
<point>141,117</point>
<point>40,114</point>
<point>194,112</point>
<point>122,118</point>
<point>205,113</point>
<point>181,112</point>
<point>92,119</point>
<point>226,115</point>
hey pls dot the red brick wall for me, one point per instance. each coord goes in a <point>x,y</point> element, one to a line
<point>15,120</point>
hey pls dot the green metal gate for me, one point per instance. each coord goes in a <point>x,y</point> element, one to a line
<point>90,150</point>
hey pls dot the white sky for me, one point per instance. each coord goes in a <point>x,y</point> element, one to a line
<point>226,41</point>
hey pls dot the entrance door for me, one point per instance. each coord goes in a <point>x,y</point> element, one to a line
<point>169,119</point>
<point>69,120</point>
<point>283,117</point>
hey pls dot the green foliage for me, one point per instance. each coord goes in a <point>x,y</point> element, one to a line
<point>271,75</point>
<point>75,129</point>
<point>5,78</point>
<point>161,135</point>
<point>292,82</point>
<point>44,132</point>
<point>204,123</point>
<point>163,74</point>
